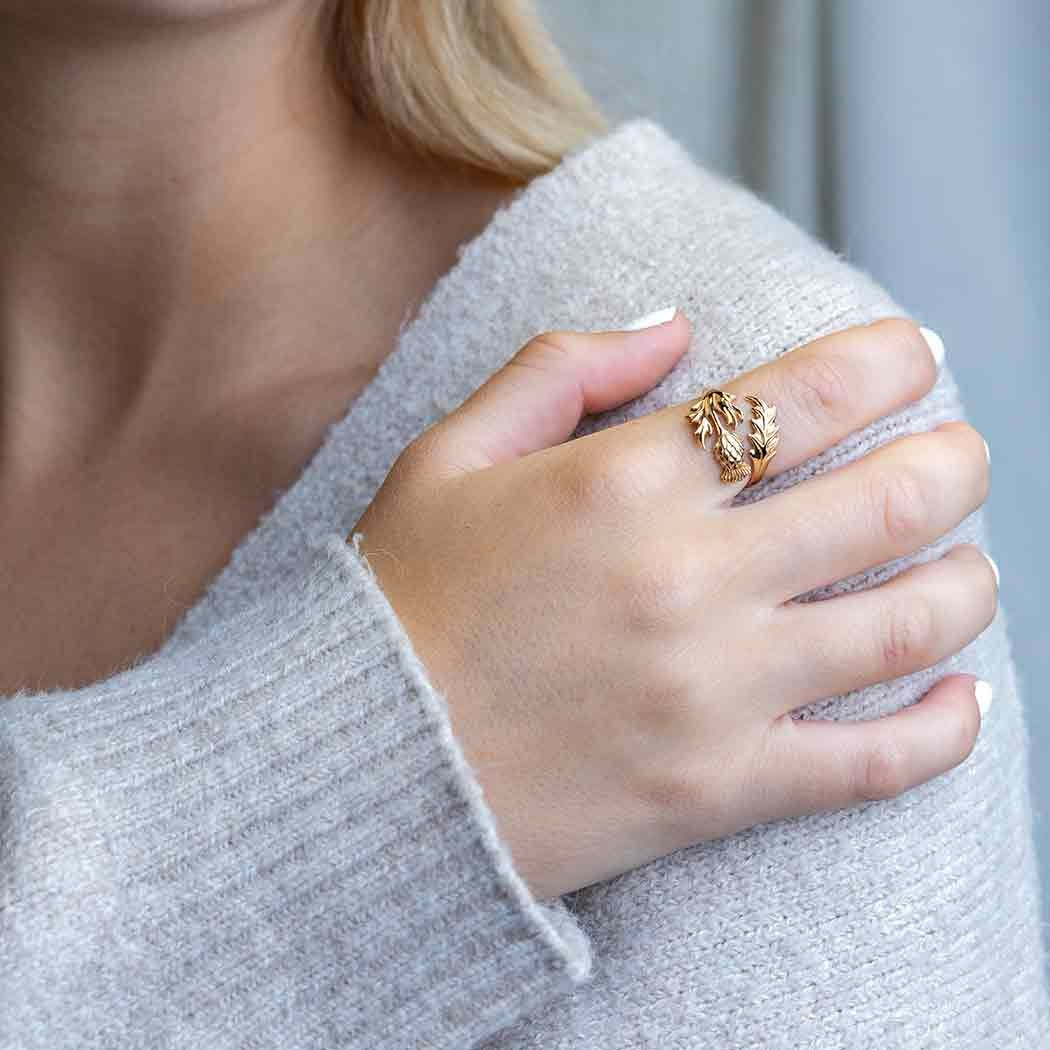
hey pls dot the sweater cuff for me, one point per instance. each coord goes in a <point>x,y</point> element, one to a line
<point>288,837</point>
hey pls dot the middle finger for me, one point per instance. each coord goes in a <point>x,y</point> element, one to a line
<point>823,391</point>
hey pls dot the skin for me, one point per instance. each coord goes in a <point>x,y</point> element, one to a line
<point>205,259</point>
<point>589,649</point>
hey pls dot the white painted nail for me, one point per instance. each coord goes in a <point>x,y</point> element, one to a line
<point>995,568</point>
<point>983,691</point>
<point>651,320</point>
<point>935,343</point>
<point>987,451</point>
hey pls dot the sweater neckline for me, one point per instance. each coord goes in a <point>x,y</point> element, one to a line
<point>300,514</point>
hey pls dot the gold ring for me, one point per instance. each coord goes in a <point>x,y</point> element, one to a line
<point>717,415</point>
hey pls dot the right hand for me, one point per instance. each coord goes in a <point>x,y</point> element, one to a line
<point>616,641</point>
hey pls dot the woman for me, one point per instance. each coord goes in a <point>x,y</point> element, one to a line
<point>272,280</point>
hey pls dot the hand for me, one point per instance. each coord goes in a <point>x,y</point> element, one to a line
<point>616,640</point>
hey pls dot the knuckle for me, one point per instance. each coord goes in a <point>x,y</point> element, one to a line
<point>667,789</point>
<point>822,387</point>
<point>881,772</point>
<point>679,796</point>
<point>643,469</point>
<point>660,593</point>
<point>584,482</point>
<point>906,635</point>
<point>546,350</point>
<point>611,480</point>
<point>901,506</point>
<point>761,558</point>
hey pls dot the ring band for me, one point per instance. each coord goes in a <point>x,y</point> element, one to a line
<point>716,415</point>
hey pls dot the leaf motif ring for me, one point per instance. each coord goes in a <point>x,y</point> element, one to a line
<point>716,415</point>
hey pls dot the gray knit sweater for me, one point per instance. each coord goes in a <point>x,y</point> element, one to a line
<point>265,835</point>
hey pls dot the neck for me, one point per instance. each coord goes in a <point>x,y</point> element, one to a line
<point>185,207</point>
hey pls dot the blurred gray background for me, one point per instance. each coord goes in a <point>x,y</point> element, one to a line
<point>914,138</point>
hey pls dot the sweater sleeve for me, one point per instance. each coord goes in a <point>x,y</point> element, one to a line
<point>269,838</point>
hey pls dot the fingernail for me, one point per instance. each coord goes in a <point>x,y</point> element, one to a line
<point>935,343</point>
<point>995,568</point>
<point>987,451</point>
<point>651,320</point>
<point>983,692</point>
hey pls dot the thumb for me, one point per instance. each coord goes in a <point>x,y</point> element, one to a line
<point>538,398</point>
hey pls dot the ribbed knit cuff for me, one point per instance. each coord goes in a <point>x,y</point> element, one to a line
<point>276,836</point>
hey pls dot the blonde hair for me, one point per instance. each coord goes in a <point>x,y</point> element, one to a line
<point>472,83</point>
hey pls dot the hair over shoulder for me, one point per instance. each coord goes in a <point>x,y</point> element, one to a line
<point>474,83</point>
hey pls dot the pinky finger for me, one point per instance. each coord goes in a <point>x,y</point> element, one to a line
<point>814,765</point>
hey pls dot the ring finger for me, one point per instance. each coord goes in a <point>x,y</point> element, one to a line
<point>885,505</point>
<point>918,618</point>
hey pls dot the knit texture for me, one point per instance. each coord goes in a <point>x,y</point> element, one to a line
<point>266,835</point>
